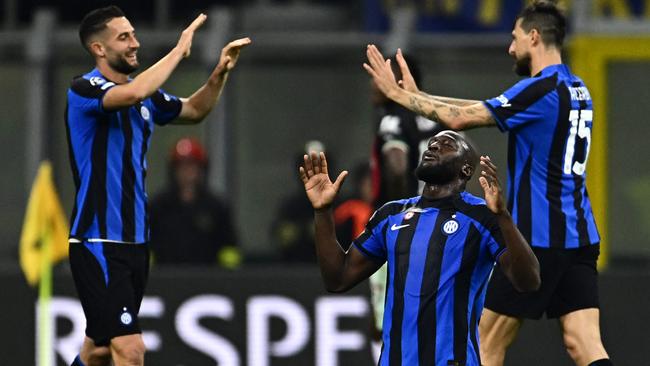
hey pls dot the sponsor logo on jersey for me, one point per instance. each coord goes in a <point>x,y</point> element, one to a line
<point>397,227</point>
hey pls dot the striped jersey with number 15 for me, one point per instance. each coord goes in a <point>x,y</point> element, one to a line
<point>549,118</point>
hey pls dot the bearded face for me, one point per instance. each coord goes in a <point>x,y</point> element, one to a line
<point>123,63</point>
<point>436,173</point>
<point>120,46</point>
<point>522,65</point>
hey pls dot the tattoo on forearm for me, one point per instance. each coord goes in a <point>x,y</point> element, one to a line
<point>453,101</point>
<point>420,106</point>
<point>416,105</point>
<point>473,111</point>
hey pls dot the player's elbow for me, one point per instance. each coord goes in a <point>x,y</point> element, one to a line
<point>136,95</point>
<point>456,124</point>
<point>336,287</point>
<point>529,282</point>
<point>194,113</point>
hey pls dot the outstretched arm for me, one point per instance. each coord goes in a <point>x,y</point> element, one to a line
<point>408,83</point>
<point>518,262</point>
<point>457,114</point>
<point>340,270</point>
<point>199,104</point>
<point>151,79</point>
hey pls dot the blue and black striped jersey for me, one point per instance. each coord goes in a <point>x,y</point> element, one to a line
<point>108,159</point>
<point>440,254</point>
<point>549,119</point>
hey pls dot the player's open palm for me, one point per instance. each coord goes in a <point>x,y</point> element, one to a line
<point>185,42</point>
<point>318,186</point>
<point>407,82</point>
<point>379,69</point>
<point>230,54</point>
<point>491,186</point>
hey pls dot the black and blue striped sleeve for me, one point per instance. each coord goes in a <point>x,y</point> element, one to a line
<point>164,107</point>
<point>372,241</point>
<point>523,103</point>
<point>87,94</point>
<point>495,241</point>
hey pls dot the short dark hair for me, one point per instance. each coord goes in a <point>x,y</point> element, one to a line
<point>95,22</point>
<point>548,19</point>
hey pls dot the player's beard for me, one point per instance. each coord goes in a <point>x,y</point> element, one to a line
<point>522,66</point>
<point>436,174</point>
<point>123,66</point>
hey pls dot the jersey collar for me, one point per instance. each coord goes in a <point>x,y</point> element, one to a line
<point>552,69</point>
<point>447,202</point>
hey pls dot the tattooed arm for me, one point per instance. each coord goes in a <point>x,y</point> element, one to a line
<point>457,114</point>
<point>454,101</point>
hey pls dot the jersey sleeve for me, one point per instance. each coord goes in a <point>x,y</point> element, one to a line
<point>492,236</point>
<point>519,104</point>
<point>372,241</point>
<point>164,107</point>
<point>392,134</point>
<point>87,94</point>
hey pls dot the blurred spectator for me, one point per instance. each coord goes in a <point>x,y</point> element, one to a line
<point>292,230</point>
<point>190,224</point>
<point>352,215</point>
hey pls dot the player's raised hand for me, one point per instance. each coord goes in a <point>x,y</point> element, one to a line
<point>407,82</point>
<point>185,42</point>
<point>379,69</point>
<point>491,186</point>
<point>230,54</point>
<point>318,186</point>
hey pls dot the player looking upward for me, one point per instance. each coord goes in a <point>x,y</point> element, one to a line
<point>440,248</point>
<point>548,117</point>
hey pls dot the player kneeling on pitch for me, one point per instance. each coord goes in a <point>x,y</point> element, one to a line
<point>440,248</point>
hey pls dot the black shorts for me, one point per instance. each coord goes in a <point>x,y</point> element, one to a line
<point>110,279</point>
<point>569,283</point>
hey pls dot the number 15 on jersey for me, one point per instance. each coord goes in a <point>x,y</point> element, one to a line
<point>580,128</point>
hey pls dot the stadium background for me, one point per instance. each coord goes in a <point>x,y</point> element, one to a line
<point>300,80</point>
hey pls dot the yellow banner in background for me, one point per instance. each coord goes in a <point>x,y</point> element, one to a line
<point>45,228</point>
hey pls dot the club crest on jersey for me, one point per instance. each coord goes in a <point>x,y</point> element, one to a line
<point>450,226</point>
<point>126,318</point>
<point>144,112</point>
